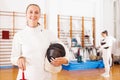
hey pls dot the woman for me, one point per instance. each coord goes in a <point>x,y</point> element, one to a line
<point>30,46</point>
<point>106,47</point>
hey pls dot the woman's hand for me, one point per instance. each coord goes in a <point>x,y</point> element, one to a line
<point>59,61</point>
<point>22,63</point>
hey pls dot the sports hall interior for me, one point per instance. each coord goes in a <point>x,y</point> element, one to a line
<point>69,20</point>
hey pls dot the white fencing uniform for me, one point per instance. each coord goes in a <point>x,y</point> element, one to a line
<point>32,43</point>
<point>106,50</point>
<point>114,48</point>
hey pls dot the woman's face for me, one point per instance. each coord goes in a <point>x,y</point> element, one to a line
<point>33,15</point>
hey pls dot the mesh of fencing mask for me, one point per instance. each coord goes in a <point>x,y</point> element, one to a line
<point>54,51</point>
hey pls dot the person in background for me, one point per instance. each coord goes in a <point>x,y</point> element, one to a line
<point>106,48</point>
<point>114,49</point>
<point>30,45</point>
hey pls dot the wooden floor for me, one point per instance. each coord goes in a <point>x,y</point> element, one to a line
<point>94,74</point>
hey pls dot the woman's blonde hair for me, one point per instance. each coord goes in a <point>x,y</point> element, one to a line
<point>33,5</point>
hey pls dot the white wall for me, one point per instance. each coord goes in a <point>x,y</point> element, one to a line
<point>117,18</point>
<point>108,17</point>
<point>102,10</point>
<point>76,7</point>
<point>117,21</point>
<point>51,11</point>
<point>20,5</point>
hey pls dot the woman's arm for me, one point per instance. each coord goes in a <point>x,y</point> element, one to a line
<point>61,60</point>
<point>16,54</point>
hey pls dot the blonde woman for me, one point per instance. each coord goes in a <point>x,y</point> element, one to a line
<point>30,46</point>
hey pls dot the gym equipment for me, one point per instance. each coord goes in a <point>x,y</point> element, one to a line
<point>74,65</point>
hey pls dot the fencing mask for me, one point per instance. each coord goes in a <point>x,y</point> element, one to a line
<point>54,51</point>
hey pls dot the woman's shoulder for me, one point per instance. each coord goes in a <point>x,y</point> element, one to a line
<point>20,32</point>
<point>48,31</point>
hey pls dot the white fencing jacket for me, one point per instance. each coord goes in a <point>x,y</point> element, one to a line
<point>108,43</point>
<point>32,43</point>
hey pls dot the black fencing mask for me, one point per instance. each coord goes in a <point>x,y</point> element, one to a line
<point>54,51</point>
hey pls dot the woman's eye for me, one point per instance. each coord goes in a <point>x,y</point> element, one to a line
<point>36,12</point>
<point>31,12</point>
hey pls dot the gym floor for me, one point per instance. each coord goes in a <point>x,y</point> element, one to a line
<point>93,74</point>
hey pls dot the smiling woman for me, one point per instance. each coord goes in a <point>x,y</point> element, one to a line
<point>30,45</point>
<point>33,13</point>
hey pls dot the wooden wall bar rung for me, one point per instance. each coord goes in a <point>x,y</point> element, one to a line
<point>5,60</point>
<point>11,12</point>
<point>9,28</point>
<point>5,54</point>
<point>72,19</point>
<point>12,15</point>
<point>4,57</point>
<point>75,18</point>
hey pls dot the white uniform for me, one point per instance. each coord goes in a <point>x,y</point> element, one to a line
<point>114,45</point>
<point>106,50</point>
<point>32,43</point>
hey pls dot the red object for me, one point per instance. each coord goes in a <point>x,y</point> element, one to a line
<point>5,34</point>
<point>23,76</point>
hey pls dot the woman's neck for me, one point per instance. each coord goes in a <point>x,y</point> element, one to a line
<point>33,25</point>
